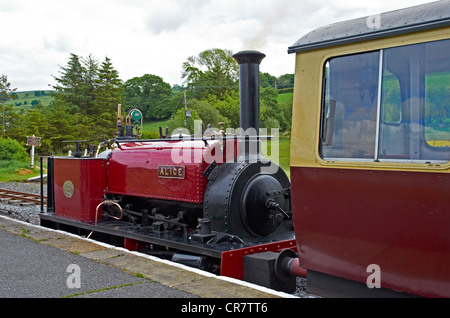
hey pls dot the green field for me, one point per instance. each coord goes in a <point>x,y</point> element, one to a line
<point>278,150</point>
<point>284,97</point>
<point>26,99</point>
<point>154,125</point>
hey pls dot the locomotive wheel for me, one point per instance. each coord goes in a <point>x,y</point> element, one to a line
<point>236,200</point>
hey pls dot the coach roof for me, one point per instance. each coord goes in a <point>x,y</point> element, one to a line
<point>413,19</point>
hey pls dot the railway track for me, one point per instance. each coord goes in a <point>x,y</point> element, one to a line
<point>20,198</point>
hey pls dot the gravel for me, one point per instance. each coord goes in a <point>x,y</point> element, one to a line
<point>28,187</point>
<point>25,213</point>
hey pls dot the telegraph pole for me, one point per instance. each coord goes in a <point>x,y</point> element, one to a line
<point>3,97</point>
<point>185,108</point>
<point>3,117</point>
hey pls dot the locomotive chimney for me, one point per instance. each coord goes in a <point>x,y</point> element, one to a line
<point>249,97</point>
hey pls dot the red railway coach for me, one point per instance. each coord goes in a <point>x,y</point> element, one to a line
<point>370,151</point>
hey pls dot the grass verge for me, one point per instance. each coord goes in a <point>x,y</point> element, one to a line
<point>13,170</point>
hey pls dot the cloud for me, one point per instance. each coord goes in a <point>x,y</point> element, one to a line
<point>167,18</point>
<point>170,15</point>
<point>57,42</point>
<point>156,37</point>
<point>268,24</point>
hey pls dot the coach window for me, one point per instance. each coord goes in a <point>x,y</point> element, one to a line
<point>389,105</point>
<point>349,119</point>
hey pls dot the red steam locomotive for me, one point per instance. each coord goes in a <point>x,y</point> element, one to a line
<point>203,200</point>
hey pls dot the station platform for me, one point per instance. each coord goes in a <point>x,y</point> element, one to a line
<point>37,262</point>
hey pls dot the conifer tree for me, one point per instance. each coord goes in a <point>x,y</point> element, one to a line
<point>107,95</point>
<point>6,92</point>
<point>68,90</point>
<point>89,85</point>
<point>90,93</point>
<point>76,85</point>
<point>109,88</point>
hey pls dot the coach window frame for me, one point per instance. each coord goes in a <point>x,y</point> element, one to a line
<point>325,138</point>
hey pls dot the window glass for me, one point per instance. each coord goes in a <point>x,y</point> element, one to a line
<point>437,109</point>
<point>392,99</point>
<point>423,75</point>
<point>350,100</point>
<point>412,120</point>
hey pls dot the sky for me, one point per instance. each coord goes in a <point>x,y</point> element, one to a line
<point>157,36</point>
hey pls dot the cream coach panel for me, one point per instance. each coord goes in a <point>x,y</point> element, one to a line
<point>308,99</point>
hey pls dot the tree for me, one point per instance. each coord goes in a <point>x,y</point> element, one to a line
<point>285,81</point>
<point>109,88</point>
<point>272,115</point>
<point>6,92</point>
<point>69,87</point>
<point>177,123</point>
<point>89,94</point>
<point>89,85</point>
<point>207,113</point>
<point>12,150</point>
<point>64,125</point>
<point>266,80</point>
<point>286,106</point>
<point>107,96</point>
<point>151,95</point>
<point>34,122</point>
<point>212,72</point>
<point>77,84</point>
<point>228,107</point>
<point>14,123</point>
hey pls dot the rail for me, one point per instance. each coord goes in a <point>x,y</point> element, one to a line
<point>19,198</point>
